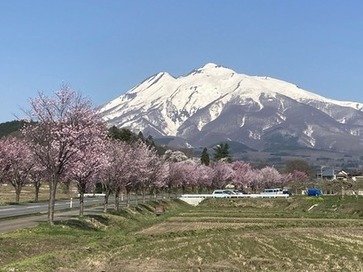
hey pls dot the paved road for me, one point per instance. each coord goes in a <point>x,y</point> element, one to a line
<point>14,217</point>
<point>13,224</point>
<point>42,207</point>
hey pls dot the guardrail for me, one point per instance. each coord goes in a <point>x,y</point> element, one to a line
<point>91,195</point>
<point>196,196</point>
<point>235,196</point>
<point>195,199</point>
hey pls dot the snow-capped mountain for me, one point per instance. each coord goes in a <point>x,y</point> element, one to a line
<point>214,104</point>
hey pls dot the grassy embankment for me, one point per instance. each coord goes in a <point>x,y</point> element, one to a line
<point>218,235</point>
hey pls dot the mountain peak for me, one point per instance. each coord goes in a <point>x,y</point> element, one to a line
<point>214,103</point>
<point>210,65</point>
<point>214,69</point>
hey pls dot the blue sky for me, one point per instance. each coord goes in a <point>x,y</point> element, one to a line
<point>103,48</point>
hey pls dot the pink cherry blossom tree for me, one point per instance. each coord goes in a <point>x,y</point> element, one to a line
<point>157,176</point>
<point>62,126</point>
<point>129,169</point>
<point>270,176</point>
<point>174,178</point>
<point>243,174</point>
<point>116,172</point>
<point>161,182</point>
<point>286,178</point>
<point>192,175</point>
<point>299,176</point>
<point>16,161</point>
<point>298,180</point>
<point>204,177</point>
<point>222,174</point>
<point>150,167</point>
<point>85,167</point>
<point>186,175</point>
<point>137,165</point>
<point>36,176</point>
<point>256,181</point>
<point>109,173</point>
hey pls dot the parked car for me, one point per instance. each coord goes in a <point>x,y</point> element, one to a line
<point>313,192</point>
<point>286,192</point>
<point>222,193</point>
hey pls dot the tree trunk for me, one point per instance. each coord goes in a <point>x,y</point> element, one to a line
<point>52,194</point>
<point>67,186</point>
<point>105,206</point>
<point>153,193</point>
<point>37,189</point>
<point>17,192</point>
<point>17,186</point>
<point>143,195</point>
<point>117,200</point>
<point>81,203</point>
<point>127,198</point>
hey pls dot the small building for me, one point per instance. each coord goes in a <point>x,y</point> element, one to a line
<point>326,173</point>
<point>342,175</point>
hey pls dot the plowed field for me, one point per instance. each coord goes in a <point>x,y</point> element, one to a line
<point>217,235</point>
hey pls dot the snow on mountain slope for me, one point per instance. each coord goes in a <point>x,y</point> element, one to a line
<point>209,97</point>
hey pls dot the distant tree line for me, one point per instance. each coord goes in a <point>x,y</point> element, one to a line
<point>12,127</point>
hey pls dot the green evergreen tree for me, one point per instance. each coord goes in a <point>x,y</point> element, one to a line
<point>126,135</point>
<point>141,136</point>
<point>221,152</point>
<point>122,134</point>
<point>204,159</point>
<point>149,141</point>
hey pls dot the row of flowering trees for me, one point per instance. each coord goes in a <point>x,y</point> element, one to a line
<point>191,176</point>
<point>66,141</point>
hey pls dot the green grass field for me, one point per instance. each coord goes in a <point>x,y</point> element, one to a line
<point>217,235</point>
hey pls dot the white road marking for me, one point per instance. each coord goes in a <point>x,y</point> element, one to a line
<point>33,207</point>
<point>9,209</point>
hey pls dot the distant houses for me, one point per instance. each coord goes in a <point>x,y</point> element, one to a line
<point>342,175</point>
<point>330,173</point>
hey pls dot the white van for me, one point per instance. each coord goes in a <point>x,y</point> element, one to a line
<point>273,191</point>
